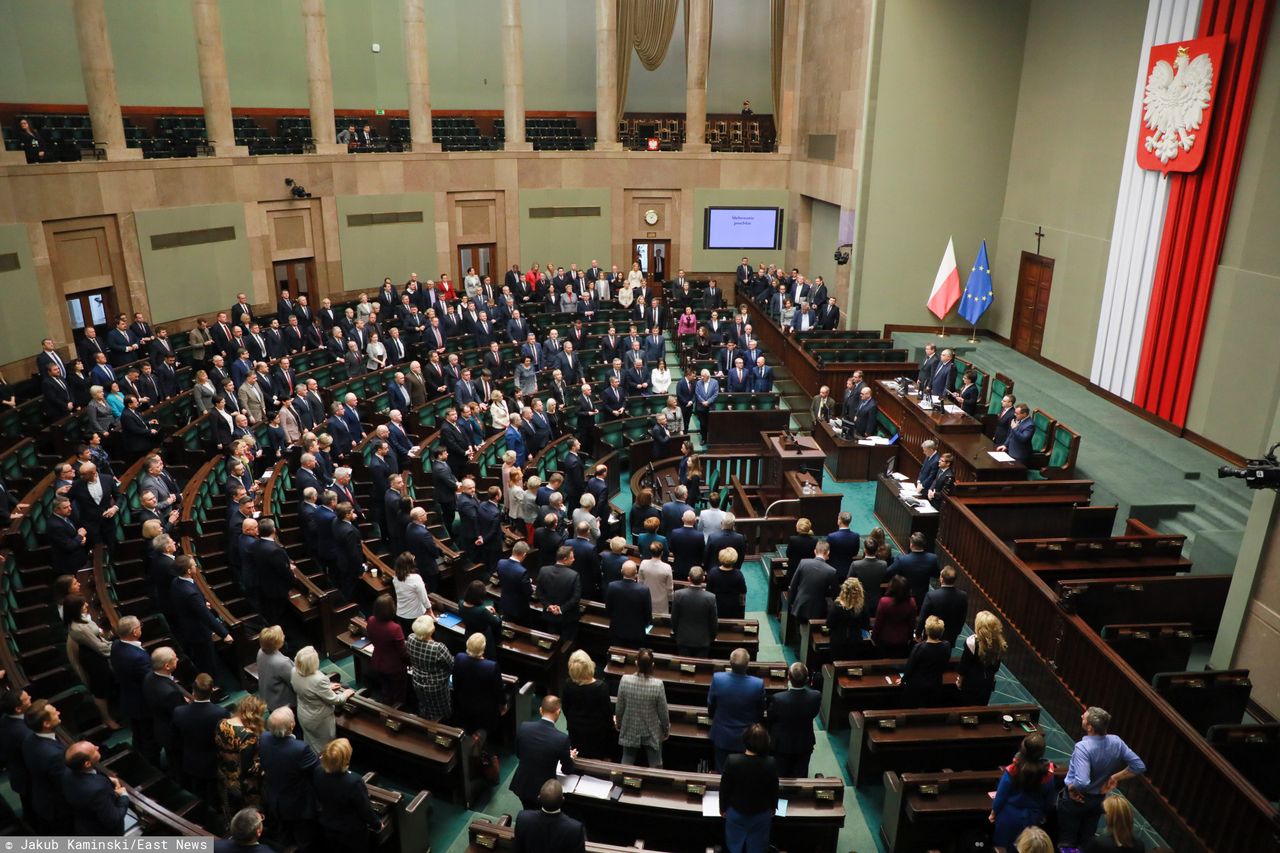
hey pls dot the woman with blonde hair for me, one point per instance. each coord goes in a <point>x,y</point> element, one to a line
<point>432,666</point>
<point>849,621</point>
<point>239,773</point>
<point>317,696</point>
<point>509,460</point>
<point>1033,840</point>
<point>801,545</point>
<point>499,413</point>
<point>346,815</point>
<point>675,417</point>
<point>980,660</point>
<point>1119,835</point>
<point>588,710</point>
<point>523,501</point>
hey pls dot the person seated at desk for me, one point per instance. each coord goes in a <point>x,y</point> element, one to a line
<point>749,793</point>
<point>346,814</point>
<point>967,396</point>
<point>547,829</point>
<point>1021,432</point>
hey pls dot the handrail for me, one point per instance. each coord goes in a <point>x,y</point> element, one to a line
<point>769,508</point>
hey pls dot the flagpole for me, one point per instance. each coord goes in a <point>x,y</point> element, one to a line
<point>943,332</point>
<point>973,335</point>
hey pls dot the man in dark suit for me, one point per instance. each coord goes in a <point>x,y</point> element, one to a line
<point>791,715</point>
<point>163,696</point>
<point>194,728</point>
<point>548,830</point>
<point>918,567</point>
<point>586,561</point>
<point>929,467</point>
<point>1004,420</point>
<point>734,701</point>
<point>843,546</point>
<point>66,539</point>
<point>828,314</point>
<point>517,586</point>
<point>14,733</point>
<point>275,572</point>
<point>727,537</point>
<point>57,395</point>
<point>629,607</point>
<point>575,475</point>
<point>949,604</point>
<point>944,377</point>
<point>539,746</point>
<point>489,529</point>
<point>45,762</point>
<point>743,274</point>
<point>695,619</point>
<point>456,442</point>
<point>560,589</point>
<point>444,486</point>
<point>196,625</point>
<point>813,582</point>
<point>673,510</point>
<point>96,497</point>
<point>864,415</point>
<point>1021,432</point>
<point>99,801</point>
<point>687,546</point>
<point>131,666</point>
<point>289,766</point>
<point>929,366</point>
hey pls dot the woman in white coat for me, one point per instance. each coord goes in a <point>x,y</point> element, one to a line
<point>317,696</point>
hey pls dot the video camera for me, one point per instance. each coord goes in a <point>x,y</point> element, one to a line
<point>1261,473</point>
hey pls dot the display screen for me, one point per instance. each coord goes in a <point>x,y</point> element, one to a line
<point>743,228</point>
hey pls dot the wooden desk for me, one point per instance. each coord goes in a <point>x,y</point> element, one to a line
<point>782,455</point>
<point>924,811</point>
<point>666,809</point>
<point>486,836</point>
<point>933,738</point>
<point>863,685</point>
<point>901,520</point>
<point>687,680</point>
<point>957,434</point>
<point>847,459</point>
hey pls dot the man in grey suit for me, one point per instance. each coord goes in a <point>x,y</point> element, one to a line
<point>812,583</point>
<point>694,617</point>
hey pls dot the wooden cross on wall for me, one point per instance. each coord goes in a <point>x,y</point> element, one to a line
<point>1039,236</point>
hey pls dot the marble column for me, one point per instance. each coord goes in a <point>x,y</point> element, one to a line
<point>414,20</point>
<point>214,89</point>
<point>320,78</point>
<point>607,76</point>
<point>784,113</point>
<point>695,99</point>
<point>99,69</point>
<point>513,76</point>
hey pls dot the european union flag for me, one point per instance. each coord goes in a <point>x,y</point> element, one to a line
<point>977,290</point>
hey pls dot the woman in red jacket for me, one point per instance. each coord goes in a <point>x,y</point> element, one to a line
<point>390,658</point>
<point>895,620</point>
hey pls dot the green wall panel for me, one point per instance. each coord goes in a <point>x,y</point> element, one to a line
<point>372,252</point>
<point>22,323</point>
<point>567,239</point>
<point>723,260</point>
<point>190,280</point>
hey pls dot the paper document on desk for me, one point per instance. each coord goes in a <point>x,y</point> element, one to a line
<point>908,490</point>
<point>569,782</point>
<point>999,456</point>
<point>901,478</point>
<point>876,439</point>
<point>598,789</point>
<point>711,804</point>
<point>952,410</point>
<point>926,508</point>
<point>781,810</point>
<point>866,442</point>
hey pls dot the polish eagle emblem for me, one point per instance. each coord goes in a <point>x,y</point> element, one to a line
<point>1176,98</point>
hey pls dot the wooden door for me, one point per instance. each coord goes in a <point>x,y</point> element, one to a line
<point>479,256</point>
<point>295,276</point>
<point>1031,306</point>
<point>652,255</point>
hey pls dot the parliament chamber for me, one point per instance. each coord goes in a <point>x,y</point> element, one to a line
<point>545,426</point>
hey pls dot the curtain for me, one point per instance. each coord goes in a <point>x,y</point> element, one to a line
<point>644,26</point>
<point>778,31</point>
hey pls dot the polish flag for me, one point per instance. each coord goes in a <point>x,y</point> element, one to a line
<point>946,285</point>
